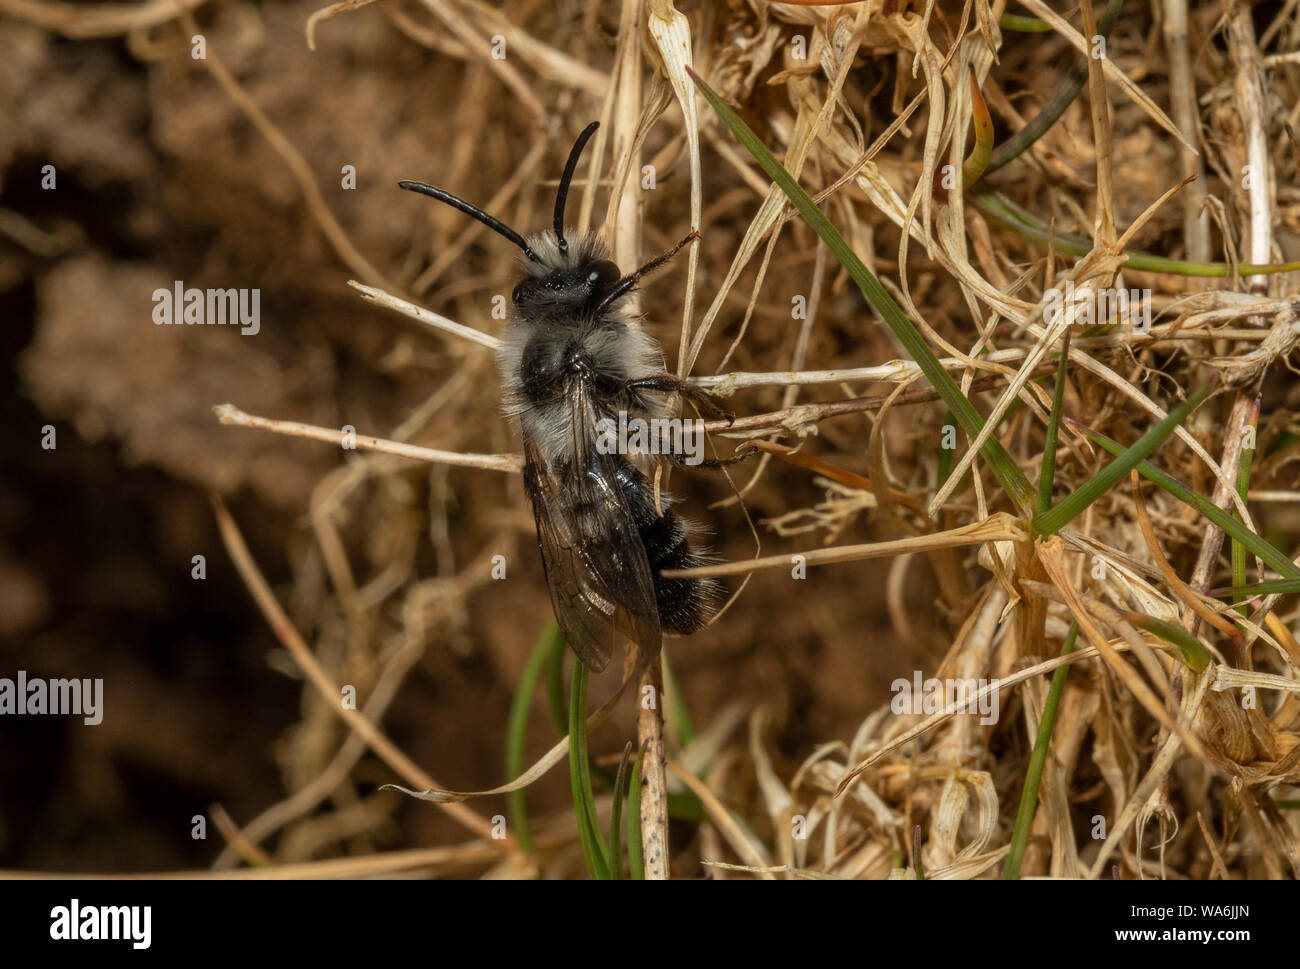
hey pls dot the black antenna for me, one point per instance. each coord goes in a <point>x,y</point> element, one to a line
<point>473,211</point>
<point>630,280</point>
<point>562,194</point>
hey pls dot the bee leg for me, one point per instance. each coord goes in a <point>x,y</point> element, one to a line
<point>668,384</point>
<point>712,464</point>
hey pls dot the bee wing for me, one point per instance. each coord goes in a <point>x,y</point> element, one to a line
<point>596,567</point>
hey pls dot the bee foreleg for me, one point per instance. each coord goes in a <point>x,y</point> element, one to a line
<point>712,464</point>
<point>668,384</point>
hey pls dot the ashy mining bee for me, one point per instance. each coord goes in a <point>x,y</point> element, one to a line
<point>574,353</point>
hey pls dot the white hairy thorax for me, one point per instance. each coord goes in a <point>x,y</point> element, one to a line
<point>616,342</point>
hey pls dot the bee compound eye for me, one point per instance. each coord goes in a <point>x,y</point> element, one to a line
<point>603,275</point>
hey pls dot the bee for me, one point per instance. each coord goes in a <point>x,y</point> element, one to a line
<point>573,353</point>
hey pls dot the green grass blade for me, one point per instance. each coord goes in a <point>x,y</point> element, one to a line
<point>945,454</point>
<point>1013,479</point>
<point>555,704</point>
<point>584,799</point>
<point>1027,225</point>
<point>685,806</point>
<point>1194,654</point>
<point>615,816</point>
<point>1280,443</point>
<point>1273,587</point>
<point>1027,25</point>
<point>1047,473</point>
<point>635,858</point>
<point>1037,761</point>
<point>1061,99</point>
<point>1239,550</point>
<point>555,684</point>
<point>1270,555</point>
<point>982,123</point>
<point>1073,505</point>
<point>517,735</point>
<point>682,722</point>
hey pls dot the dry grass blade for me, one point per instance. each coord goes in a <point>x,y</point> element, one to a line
<point>1113,73</point>
<point>427,317</point>
<point>999,527</point>
<point>826,469</point>
<point>557,753</point>
<point>1161,765</point>
<point>1049,553</point>
<point>329,691</point>
<point>736,836</point>
<point>935,720</point>
<point>81,21</point>
<point>1192,600</point>
<point>230,414</point>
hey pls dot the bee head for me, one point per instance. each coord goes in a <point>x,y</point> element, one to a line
<point>580,279</point>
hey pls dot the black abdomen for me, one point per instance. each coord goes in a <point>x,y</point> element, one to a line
<point>684,604</point>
